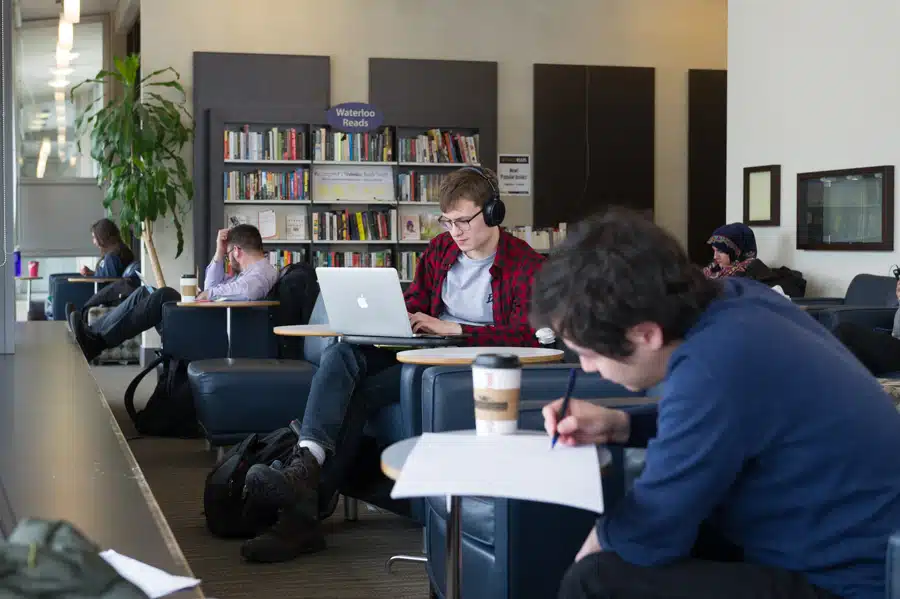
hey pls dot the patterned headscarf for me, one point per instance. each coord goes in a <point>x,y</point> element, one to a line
<point>738,241</point>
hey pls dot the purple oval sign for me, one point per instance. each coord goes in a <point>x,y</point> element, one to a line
<point>354,117</point>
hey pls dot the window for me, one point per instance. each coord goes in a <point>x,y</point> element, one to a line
<point>45,111</point>
<point>849,210</point>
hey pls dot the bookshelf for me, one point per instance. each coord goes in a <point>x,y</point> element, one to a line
<point>329,198</point>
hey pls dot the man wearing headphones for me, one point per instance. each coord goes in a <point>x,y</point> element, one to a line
<point>474,279</point>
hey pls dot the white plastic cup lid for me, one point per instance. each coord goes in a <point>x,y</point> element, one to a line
<point>545,335</point>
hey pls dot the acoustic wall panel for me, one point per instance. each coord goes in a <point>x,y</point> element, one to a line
<point>707,135</point>
<point>594,145</point>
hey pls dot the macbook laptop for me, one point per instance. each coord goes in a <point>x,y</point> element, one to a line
<point>366,302</point>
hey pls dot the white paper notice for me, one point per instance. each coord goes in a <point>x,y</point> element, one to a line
<point>153,581</point>
<point>518,466</point>
<point>268,224</point>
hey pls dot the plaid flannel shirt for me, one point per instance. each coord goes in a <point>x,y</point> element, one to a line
<point>512,274</point>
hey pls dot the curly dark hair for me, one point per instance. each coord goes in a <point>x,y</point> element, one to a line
<point>617,270</point>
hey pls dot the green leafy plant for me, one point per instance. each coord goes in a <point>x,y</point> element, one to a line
<point>137,140</point>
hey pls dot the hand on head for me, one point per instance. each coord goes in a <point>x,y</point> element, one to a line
<point>586,423</point>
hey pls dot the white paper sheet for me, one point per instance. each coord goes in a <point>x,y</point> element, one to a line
<point>518,466</point>
<point>153,581</point>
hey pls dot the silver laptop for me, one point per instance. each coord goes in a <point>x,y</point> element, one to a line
<point>364,301</point>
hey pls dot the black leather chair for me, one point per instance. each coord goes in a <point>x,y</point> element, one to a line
<point>865,291</point>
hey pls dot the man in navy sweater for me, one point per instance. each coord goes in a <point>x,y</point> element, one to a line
<point>773,464</point>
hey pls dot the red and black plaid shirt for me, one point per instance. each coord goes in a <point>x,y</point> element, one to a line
<point>512,274</point>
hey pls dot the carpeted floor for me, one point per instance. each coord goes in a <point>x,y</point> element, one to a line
<point>351,568</point>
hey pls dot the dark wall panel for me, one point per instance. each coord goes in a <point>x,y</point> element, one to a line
<point>594,129</point>
<point>238,84</point>
<point>438,93</point>
<point>707,133</point>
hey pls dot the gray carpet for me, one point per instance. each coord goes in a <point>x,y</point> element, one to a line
<point>351,568</point>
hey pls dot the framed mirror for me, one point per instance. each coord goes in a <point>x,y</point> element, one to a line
<point>762,196</point>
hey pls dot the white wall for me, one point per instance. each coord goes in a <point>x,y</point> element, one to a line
<point>670,35</point>
<point>812,85</point>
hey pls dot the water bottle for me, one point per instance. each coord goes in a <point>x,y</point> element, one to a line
<point>17,262</point>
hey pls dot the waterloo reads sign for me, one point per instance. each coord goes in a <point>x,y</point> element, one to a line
<point>354,117</point>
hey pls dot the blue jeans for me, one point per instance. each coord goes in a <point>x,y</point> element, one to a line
<point>139,312</point>
<point>350,377</point>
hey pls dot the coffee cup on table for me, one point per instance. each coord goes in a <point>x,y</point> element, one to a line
<point>496,380</point>
<point>188,288</point>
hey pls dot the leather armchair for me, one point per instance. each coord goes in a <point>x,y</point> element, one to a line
<point>873,318</point>
<point>199,334</point>
<point>61,292</point>
<point>234,398</point>
<point>513,548</point>
<point>864,291</point>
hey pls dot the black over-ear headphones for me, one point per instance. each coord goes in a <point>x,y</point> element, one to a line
<point>494,210</point>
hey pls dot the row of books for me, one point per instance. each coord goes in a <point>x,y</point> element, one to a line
<point>267,185</point>
<point>438,146</point>
<point>343,225</point>
<point>541,239</point>
<point>408,263</point>
<point>419,187</point>
<point>363,147</point>
<point>361,259</point>
<point>420,227</point>
<point>273,144</point>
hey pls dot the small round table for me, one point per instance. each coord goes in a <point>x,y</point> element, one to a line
<point>304,330</point>
<point>392,460</point>
<point>228,306</point>
<point>95,280</point>
<point>28,281</point>
<point>462,356</point>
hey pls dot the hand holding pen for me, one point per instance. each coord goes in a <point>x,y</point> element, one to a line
<point>584,422</point>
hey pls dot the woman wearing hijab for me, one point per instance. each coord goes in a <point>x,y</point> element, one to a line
<point>734,253</point>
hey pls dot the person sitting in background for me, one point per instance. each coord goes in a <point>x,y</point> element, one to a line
<point>734,253</point>
<point>115,255</point>
<point>474,279</point>
<point>772,466</point>
<point>253,276</point>
<point>879,351</point>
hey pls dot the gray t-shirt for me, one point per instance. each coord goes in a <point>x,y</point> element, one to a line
<point>467,294</point>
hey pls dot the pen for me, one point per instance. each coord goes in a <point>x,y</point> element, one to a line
<point>565,405</point>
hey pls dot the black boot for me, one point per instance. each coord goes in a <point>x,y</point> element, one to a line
<point>91,345</point>
<point>294,490</point>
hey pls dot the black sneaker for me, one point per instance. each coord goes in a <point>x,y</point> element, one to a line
<point>296,533</point>
<point>285,487</point>
<point>91,345</point>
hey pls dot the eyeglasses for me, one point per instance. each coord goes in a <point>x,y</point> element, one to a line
<point>463,224</point>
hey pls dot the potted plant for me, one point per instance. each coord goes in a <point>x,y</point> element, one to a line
<point>137,140</point>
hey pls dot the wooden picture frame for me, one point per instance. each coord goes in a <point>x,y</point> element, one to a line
<point>762,195</point>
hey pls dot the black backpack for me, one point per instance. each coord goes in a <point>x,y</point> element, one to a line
<point>227,514</point>
<point>170,410</point>
<point>296,291</point>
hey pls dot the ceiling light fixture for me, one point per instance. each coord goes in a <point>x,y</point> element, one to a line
<point>59,83</point>
<point>72,10</point>
<point>64,56</point>
<point>62,71</point>
<point>43,153</point>
<point>66,35</point>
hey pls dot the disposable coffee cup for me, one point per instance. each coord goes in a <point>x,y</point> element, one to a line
<point>496,380</point>
<point>188,288</point>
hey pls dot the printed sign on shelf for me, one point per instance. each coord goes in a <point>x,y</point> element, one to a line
<point>514,174</point>
<point>354,117</point>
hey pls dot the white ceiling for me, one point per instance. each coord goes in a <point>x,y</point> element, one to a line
<point>50,9</point>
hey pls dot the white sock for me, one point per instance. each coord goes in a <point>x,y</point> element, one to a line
<point>314,448</point>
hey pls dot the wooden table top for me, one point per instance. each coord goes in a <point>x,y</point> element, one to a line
<point>458,356</point>
<point>227,304</point>
<point>305,330</point>
<point>29,278</point>
<point>94,279</point>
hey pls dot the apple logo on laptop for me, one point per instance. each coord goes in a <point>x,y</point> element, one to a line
<point>361,300</point>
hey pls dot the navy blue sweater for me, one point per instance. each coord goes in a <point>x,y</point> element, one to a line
<point>769,429</point>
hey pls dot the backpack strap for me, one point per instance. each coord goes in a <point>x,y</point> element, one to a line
<point>133,385</point>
